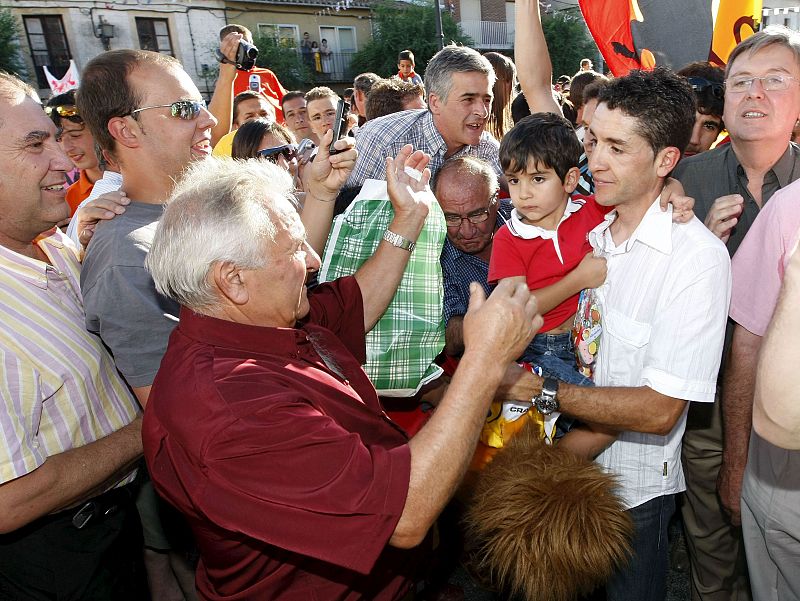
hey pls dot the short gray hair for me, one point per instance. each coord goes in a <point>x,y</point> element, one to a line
<point>774,35</point>
<point>221,210</point>
<point>465,166</point>
<point>454,59</point>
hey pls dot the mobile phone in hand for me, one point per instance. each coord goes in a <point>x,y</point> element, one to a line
<point>339,124</point>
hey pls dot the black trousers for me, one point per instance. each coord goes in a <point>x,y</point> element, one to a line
<point>51,559</point>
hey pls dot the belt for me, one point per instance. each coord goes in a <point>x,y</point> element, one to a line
<point>102,506</point>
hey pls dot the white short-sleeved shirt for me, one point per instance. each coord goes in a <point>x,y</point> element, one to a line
<point>665,304</point>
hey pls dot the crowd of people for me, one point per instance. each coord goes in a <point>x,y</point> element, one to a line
<point>246,358</point>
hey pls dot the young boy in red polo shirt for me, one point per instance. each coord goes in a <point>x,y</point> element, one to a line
<point>545,243</point>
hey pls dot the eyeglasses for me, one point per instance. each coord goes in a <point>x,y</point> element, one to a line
<point>182,109</point>
<point>770,83</point>
<point>700,85</point>
<point>70,112</point>
<point>287,151</point>
<point>475,218</point>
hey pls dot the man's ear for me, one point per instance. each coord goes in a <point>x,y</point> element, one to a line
<point>230,281</point>
<point>435,104</point>
<point>125,131</point>
<point>571,180</point>
<point>666,160</point>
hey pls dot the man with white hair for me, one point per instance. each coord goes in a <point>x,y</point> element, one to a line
<point>262,427</point>
<point>70,427</point>
<point>458,85</point>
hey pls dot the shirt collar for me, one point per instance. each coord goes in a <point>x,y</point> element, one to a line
<point>784,169</point>
<point>529,232</point>
<point>432,134</point>
<point>31,270</point>
<point>654,230</point>
<point>258,340</point>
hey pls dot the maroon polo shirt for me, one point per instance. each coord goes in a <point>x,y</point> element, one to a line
<point>289,472</point>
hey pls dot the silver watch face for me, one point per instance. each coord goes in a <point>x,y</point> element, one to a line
<point>546,404</point>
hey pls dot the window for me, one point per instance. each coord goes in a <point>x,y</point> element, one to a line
<point>49,46</point>
<point>154,35</point>
<point>286,36</point>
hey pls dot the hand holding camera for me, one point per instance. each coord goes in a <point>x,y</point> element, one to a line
<point>235,50</point>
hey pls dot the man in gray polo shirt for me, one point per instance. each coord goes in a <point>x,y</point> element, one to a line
<point>730,184</point>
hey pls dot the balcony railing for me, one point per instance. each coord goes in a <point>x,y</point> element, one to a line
<point>489,34</point>
<point>333,67</point>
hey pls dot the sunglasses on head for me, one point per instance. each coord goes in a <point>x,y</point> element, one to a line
<point>182,109</point>
<point>70,112</point>
<point>288,151</point>
<point>700,84</point>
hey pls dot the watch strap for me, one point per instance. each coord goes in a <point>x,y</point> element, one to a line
<point>399,241</point>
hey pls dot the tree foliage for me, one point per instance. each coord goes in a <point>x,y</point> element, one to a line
<point>568,42</point>
<point>410,26</point>
<point>286,62</point>
<point>10,57</point>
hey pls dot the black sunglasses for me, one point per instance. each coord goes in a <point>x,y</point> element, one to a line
<point>69,112</point>
<point>700,84</point>
<point>287,151</point>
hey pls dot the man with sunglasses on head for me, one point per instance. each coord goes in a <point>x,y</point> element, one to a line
<point>78,144</point>
<point>707,82</point>
<point>730,185</point>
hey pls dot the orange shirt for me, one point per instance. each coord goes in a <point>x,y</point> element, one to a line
<point>78,192</point>
<point>270,87</point>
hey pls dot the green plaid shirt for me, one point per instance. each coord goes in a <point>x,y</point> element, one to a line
<point>405,341</point>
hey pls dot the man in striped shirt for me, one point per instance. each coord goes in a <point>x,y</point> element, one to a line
<point>70,431</point>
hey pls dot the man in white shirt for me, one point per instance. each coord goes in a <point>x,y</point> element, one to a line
<point>664,307</point>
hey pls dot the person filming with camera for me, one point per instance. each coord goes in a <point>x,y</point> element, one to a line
<point>237,73</point>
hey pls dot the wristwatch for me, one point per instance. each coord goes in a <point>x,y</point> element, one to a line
<point>399,241</point>
<point>547,401</point>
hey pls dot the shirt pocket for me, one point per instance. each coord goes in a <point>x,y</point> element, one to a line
<point>626,347</point>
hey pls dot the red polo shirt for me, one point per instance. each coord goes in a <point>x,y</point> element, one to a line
<point>290,474</point>
<point>536,258</point>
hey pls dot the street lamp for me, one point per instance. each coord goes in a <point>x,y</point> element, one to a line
<point>105,31</point>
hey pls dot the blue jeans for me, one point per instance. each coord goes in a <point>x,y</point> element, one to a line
<point>645,577</point>
<point>555,354</point>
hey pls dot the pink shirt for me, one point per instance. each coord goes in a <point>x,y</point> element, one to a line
<point>759,264</point>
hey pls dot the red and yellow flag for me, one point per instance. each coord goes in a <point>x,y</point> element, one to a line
<point>640,34</point>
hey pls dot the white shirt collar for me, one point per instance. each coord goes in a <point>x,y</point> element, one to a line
<point>527,231</point>
<point>654,230</point>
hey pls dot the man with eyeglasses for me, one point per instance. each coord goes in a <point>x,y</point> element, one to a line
<point>78,143</point>
<point>730,185</point>
<point>466,188</point>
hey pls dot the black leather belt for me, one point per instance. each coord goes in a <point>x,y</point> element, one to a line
<point>101,506</point>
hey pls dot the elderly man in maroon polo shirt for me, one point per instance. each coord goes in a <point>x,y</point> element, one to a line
<point>263,429</point>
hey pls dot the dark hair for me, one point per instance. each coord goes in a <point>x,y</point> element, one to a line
<point>592,91</point>
<point>65,99</point>
<point>363,82</point>
<point>247,141</point>
<point>233,27</point>
<point>579,83</point>
<point>504,90</point>
<point>348,93</point>
<point>291,96</point>
<point>406,55</point>
<point>546,139</point>
<point>708,103</point>
<point>240,98</point>
<point>106,91</point>
<point>661,102</point>
<point>389,96</point>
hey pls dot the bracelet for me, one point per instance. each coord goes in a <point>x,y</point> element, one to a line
<point>399,241</point>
